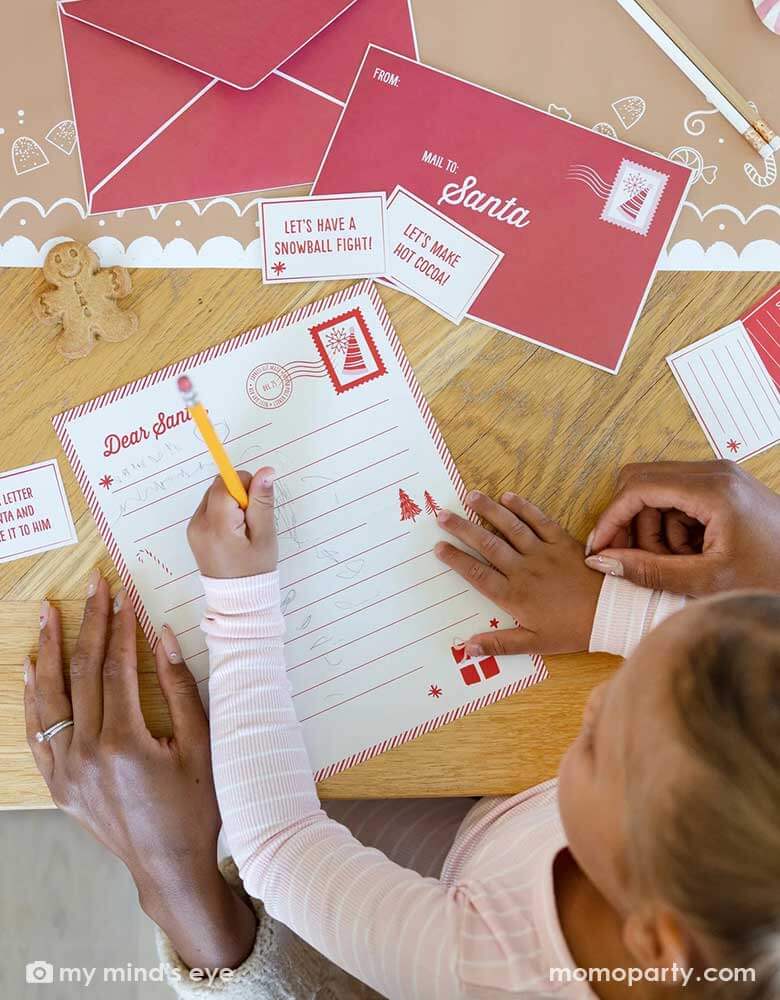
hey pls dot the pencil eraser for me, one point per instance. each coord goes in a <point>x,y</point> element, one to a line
<point>184,383</point>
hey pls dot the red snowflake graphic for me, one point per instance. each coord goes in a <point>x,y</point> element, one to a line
<point>106,481</point>
<point>409,509</point>
<point>279,267</point>
<point>494,622</point>
<point>634,183</point>
<point>431,506</point>
<point>434,691</point>
<point>338,340</point>
<point>733,446</point>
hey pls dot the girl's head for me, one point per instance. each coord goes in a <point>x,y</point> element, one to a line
<point>670,795</point>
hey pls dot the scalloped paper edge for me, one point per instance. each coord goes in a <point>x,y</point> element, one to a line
<point>225,251</point>
<point>146,251</point>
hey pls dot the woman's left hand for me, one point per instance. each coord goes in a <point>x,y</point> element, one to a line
<point>150,801</point>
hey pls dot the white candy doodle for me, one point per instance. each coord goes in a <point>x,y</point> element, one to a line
<point>63,136</point>
<point>629,110</point>
<point>27,155</point>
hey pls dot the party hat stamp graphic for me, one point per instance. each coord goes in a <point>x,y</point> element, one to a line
<point>348,350</point>
<point>633,197</point>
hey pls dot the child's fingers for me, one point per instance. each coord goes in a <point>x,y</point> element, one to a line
<point>547,529</point>
<point>503,642</point>
<point>190,725</point>
<point>649,531</point>
<point>222,509</point>
<point>260,513</point>
<point>678,531</point>
<point>481,576</point>
<point>513,528</point>
<point>497,552</point>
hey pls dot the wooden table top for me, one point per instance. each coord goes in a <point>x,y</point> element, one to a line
<point>514,416</point>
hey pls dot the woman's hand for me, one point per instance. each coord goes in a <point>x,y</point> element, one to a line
<point>690,527</point>
<point>150,801</point>
<point>228,542</point>
<point>534,572</point>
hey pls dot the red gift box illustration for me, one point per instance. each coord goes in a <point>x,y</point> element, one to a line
<point>475,669</point>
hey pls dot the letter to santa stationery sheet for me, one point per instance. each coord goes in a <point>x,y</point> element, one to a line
<point>375,623</point>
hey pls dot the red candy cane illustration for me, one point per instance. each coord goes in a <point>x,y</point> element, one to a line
<point>144,554</point>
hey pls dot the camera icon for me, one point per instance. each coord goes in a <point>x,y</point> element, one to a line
<point>39,972</point>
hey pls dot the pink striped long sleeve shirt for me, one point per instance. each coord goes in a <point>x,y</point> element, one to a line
<point>486,927</point>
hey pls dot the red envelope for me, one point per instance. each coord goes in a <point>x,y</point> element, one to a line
<point>581,218</point>
<point>194,98</point>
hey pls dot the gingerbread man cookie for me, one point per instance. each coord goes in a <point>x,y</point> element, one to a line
<point>83,302</point>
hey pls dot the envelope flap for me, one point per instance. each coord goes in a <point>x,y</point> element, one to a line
<point>237,41</point>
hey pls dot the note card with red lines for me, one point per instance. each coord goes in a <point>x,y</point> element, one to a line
<point>731,380</point>
<point>375,623</point>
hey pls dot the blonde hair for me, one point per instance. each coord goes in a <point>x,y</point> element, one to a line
<point>712,850</point>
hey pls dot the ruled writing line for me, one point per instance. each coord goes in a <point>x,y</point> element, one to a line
<point>376,687</point>
<point>365,607</point>
<point>376,631</point>
<point>341,479</point>
<point>348,559</point>
<point>208,479</point>
<point>333,510</point>
<point>748,390</point>
<point>365,579</point>
<point>190,458</point>
<point>367,663</point>
<point>293,554</point>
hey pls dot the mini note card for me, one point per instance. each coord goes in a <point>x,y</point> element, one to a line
<point>434,258</point>
<point>731,380</point>
<point>316,238</point>
<point>34,512</point>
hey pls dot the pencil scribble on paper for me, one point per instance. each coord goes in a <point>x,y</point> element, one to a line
<point>286,519</point>
<point>351,569</point>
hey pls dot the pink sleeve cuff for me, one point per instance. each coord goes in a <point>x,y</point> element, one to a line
<point>626,613</point>
<point>243,609</point>
<point>242,594</point>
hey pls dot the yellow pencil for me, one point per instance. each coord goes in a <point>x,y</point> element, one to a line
<point>198,413</point>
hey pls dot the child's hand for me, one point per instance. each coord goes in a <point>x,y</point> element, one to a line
<point>536,574</point>
<point>228,542</point>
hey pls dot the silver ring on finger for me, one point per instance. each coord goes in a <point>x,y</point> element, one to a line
<point>47,735</point>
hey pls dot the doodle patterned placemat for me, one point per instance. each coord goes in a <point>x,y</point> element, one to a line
<point>532,51</point>
<point>375,623</point>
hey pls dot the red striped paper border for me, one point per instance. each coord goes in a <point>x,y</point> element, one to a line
<point>368,288</point>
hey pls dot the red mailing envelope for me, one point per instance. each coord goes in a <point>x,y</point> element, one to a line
<point>580,218</point>
<point>186,99</point>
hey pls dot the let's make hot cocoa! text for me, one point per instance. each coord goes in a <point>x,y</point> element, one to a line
<point>420,240</point>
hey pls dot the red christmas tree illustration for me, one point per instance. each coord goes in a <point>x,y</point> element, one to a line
<point>353,359</point>
<point>430,504</point>
<point>409,509</point>
<point>633,205</point>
